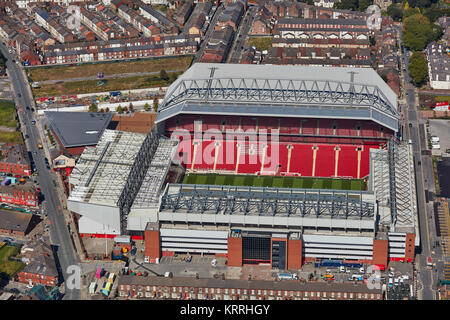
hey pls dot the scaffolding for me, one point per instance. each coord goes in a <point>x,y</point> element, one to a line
<point>393,167</point>
<point>267,201</point>
<point>101,172</point>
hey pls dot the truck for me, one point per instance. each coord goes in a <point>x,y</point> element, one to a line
<point>107,289</point>
<point>287,276</point>
<point>99,273</point>
<point>429,262</point>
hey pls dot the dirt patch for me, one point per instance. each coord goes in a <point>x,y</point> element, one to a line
<point>137,122</point>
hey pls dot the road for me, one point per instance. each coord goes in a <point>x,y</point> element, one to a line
<point>210,29</point>
<point>415,131</point>
<point>241,36</point>
<point>59,234</point>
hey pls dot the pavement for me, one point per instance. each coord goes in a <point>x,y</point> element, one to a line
<point>60,236</point>
<point>441,129</point>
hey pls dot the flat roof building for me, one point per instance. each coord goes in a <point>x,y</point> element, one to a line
<point>76,130</point>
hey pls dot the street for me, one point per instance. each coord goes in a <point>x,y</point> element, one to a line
<point>415,131</point>
<point>59,234</point>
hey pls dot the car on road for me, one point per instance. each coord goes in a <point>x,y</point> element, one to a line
<point>410,125</point>
<point>407,93</point>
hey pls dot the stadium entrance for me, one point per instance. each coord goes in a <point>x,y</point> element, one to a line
<point>256,248</point>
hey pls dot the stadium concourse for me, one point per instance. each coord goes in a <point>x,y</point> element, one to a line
<point>321,170</point>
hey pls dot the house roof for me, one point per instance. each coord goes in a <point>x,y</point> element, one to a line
<point>76,129</point>
<point>16,221</point>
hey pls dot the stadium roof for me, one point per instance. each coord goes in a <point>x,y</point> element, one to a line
<point>301,91</point>
<point>76,129</point>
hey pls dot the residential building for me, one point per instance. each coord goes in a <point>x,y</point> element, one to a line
<point>183,288</point>
<point>14,160</point>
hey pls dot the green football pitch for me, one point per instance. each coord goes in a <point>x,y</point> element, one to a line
<point>277,182</point>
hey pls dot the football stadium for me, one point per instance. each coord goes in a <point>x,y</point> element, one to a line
<point>260,164</point>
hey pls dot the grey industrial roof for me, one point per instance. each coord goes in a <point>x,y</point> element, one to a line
<point>263,89</point>
<point>78,128</point>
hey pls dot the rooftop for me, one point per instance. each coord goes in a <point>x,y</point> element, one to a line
<point>244,284</point>
<point>13,220</point>
<point>78,128</point>
<point>300,91</point>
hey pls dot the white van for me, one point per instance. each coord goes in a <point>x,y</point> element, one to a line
<point>434,139</point>
<point>435,146</point>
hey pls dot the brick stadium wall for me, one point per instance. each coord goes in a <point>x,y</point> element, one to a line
<point>380,252</point>
<point>294,254</point>
<point>138,122</point>
<point>434,114</point>
<point>409,250</point>
<point>152,244</point>
<point>235,252</point>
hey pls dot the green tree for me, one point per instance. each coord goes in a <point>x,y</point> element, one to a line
<point>107,109</point>
<point>146,106</point>
<point>418,68</point>
<point>119,109</point>
<point>93,107</point>
<point>395,12</point>
<point>155,104</point>
<point>173,77</point>
<point>163,75</point>
<point>433,13</point>
<point>348,5</point>
<point>418,32</point>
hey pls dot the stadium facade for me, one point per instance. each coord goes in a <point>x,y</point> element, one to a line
<point>259,120</point>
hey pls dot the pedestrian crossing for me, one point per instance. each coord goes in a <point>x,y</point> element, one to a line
<point>444,226</point>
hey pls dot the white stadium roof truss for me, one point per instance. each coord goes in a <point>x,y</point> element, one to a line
<point>286,91</point>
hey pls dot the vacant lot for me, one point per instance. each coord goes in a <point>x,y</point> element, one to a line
<point>426,100</point>
<point>109,68</point>
<point>7,114</point>
<point>260,43</point>
<point>91,86</point>
<point>9,267</point>
<point>277,182</point>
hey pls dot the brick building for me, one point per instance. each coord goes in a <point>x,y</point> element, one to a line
<point>13,160</point>
<point>15,223</point>
<point>20,194</point>
<point>182,288</point>
<point>41,270</point>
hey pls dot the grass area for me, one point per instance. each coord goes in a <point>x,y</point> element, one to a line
<point>13,137</point>
<point>278,182</point>
<point>109,68</point>
<point>91,86</point>
<point>9,267</point>
<point>7,114</point>
<point>260,43</point>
